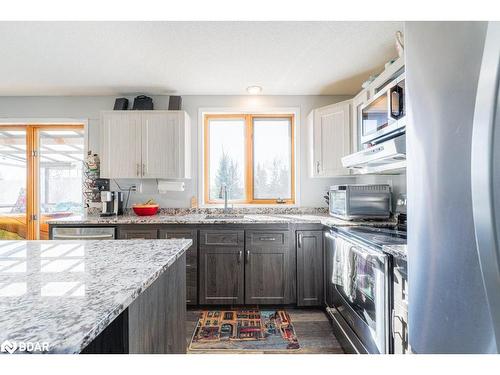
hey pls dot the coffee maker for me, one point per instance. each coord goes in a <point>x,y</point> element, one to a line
<point>112,203</point>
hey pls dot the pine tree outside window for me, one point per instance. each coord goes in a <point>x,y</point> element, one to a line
<point>252,155</point>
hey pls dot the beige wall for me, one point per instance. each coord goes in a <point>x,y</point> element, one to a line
<point>88,107</point>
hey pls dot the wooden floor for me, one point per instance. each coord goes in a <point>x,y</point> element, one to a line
<point>312,326</point>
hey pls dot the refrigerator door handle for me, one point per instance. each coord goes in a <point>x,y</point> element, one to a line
<point>485,184</point>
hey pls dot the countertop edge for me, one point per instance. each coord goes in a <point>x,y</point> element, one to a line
<point>105,322</point>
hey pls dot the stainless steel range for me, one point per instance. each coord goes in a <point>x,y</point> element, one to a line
<point>358,293</point>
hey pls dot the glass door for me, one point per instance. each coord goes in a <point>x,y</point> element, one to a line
<point>60,168</point>
<point>13,183</point>
<point>40,177</point>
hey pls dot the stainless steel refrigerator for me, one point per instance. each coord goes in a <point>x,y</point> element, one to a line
<point>453,151</point>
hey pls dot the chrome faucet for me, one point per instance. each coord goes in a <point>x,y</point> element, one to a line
<point>224,194</point>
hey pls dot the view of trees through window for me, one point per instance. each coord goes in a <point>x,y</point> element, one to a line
<point>272,158</point>
<point>265,160</point>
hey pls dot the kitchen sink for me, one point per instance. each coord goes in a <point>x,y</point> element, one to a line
<point>224,216</point>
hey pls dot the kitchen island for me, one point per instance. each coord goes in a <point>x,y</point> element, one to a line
<point>121,296</point>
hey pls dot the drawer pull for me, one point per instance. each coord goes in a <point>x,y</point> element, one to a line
<point>267,238</point>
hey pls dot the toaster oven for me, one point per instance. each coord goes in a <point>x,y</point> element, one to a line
<point>351,202</point>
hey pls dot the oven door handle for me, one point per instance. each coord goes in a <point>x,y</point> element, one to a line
<point>330,236</point>
<point>359,249</point>
<point>365,252</point>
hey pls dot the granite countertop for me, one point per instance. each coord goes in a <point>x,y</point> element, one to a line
<point>324,219</point>
<point>64,293</point>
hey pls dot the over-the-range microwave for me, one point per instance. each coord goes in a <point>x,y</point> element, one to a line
<point>384,116</point>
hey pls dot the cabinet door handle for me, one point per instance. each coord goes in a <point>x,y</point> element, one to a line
<point>144,169</point>
<point>317,167</point>
<point>248,256</point>
<point>138,170</point>
<point>300,240</point>
<point>240,254</point>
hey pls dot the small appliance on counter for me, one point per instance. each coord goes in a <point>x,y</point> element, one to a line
<point>112,203</point>
<point>355,202</point>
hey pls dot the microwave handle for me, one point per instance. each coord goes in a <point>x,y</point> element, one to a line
<point>395,102</point>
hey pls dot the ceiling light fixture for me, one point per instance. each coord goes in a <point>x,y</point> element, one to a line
<point>254,90</point>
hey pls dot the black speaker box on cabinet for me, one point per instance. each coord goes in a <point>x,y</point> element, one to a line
<point>174,103</point>
<point>143,103</point>
<point>121,104</point>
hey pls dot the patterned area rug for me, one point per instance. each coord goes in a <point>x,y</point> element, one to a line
<point>244,329</point>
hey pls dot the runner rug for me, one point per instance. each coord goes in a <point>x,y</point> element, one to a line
<point>244,329</point>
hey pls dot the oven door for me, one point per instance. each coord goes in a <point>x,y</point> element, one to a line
<point>360,278</point>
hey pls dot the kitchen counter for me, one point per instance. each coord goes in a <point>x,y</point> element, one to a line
<point>324,219</point>
<point>65,293</point>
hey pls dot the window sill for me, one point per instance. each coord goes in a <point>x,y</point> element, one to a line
<point>250,205</point>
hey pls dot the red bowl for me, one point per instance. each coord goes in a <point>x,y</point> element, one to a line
<point>148,210</point>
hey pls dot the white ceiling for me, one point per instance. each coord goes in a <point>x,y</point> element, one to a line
<point>187,58</point>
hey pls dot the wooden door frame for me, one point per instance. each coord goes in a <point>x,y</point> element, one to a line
<point>32,168</point>
<point>249,150</point>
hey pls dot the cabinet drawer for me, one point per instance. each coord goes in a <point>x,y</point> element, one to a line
<point>189,234</point>
<point>179,233</point>
<point>222,237</point>
<point>130,234</point>
<point>267,238</point>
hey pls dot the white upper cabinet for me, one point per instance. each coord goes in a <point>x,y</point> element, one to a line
<point>120,152</point>
<point>329,139</point>
<point>160,141</point>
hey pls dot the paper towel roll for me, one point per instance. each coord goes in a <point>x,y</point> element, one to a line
<point>166,186</point>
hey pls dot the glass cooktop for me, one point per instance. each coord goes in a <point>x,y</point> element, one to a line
<point>376,235</point>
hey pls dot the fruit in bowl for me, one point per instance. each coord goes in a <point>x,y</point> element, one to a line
<point>146,209</point>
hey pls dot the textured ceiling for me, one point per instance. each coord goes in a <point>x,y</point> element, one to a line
<point>212,58</point>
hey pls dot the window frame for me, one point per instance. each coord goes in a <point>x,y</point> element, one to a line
<point>249,153</point>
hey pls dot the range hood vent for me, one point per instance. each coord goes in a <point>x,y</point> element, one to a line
<point>388,157</point>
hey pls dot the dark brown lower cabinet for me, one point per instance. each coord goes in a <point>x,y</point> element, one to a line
<point>309,268</point>
<point>221,275</point>
<point>191,260</point>
<point>268,268</point>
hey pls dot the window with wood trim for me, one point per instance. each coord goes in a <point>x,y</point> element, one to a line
<point>252,155</point>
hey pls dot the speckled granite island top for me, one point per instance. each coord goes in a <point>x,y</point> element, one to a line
<point>64,293</point>
<point>324,219</point>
